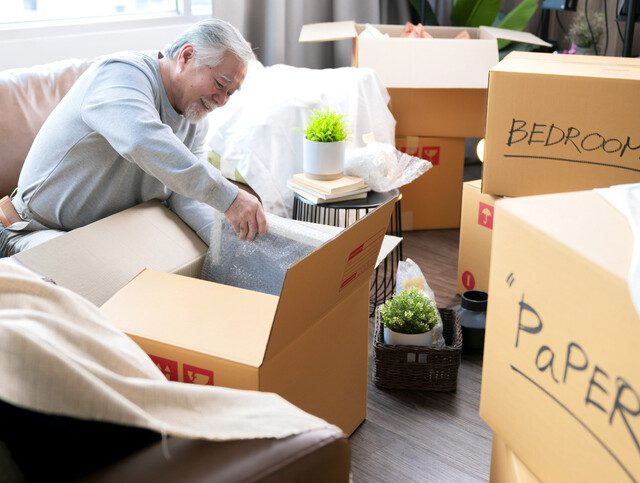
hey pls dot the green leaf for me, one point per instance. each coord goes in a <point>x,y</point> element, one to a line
<point>473,13</point>
<point>518,18</point>
<point>429,18</point>
<point>409,312</point>
<point>326,126</point>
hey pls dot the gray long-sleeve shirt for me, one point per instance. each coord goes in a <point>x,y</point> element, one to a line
<point>115,141</point>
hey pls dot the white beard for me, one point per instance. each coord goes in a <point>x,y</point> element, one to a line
<point>197,110</point>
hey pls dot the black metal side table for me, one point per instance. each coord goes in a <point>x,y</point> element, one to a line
<point>343,214</point>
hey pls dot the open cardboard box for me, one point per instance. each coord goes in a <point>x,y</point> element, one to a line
<point>309,344</point>
<point>561,373</point>
<point>438,86</point>
<point>561,123</point>
<point>99,259</point>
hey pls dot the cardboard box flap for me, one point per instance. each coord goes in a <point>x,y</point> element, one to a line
<point>110,252</point>
<point>513,35</point>
<point>319,281</point>
<point>389,243</point>
<point>531,57</point>
<point>324,32</point>
<point>566,65</point>
<point>400,67</point>
<point>592,241</point>
<point>207,317</point>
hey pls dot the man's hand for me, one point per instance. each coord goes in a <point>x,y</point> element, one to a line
<point>246,216</point>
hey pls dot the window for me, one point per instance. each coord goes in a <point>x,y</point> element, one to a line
<point>20,11</point>
<point>90,28</point>
<point>31,10</point>
<point>201,7</point>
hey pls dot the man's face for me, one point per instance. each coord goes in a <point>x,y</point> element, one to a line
<point>202,89</point>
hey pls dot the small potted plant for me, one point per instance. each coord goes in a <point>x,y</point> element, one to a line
<point>324,145</point>
<point>409,318</point>
<point>586,35</point>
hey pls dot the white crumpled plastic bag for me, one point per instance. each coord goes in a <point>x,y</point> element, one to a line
<point>383,167</point>
<point>408,276</point>
<point>260,130</point>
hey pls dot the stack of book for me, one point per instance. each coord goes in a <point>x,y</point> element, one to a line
<point>318,191</point>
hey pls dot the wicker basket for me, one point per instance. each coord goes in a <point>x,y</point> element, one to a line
<point>415,367</point>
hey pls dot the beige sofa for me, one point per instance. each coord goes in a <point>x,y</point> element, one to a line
<point>27,96</point>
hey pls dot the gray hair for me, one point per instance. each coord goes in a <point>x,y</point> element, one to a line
<point>211,39</point>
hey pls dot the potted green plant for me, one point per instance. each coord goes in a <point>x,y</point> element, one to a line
<point>324,145</point>
<point>586,33</point>
<point>409,318</point>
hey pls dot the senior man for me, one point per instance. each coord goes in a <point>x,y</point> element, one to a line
<point>132,129</point>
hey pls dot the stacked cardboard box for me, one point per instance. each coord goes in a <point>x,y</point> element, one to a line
<point>433,199</point>
<point>476,228</point>
<point>554,123</point>
<point>560,377</point>
<point>560,123</point>
<point>438,90</point>
<point>506,467</point>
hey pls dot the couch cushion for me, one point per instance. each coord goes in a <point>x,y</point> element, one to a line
<point>27,97</point>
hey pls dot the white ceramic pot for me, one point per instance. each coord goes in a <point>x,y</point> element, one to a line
<point>323,160</point>
<point>396,338</point>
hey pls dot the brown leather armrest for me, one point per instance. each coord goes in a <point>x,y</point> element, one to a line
<point>318,455</point>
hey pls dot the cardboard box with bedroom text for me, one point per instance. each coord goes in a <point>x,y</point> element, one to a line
<point>560,123</point>
<point>561,373</point>
<point>438,86</point>
<point>433,200</point>
<point>309,344</point>
<point>476,227</point>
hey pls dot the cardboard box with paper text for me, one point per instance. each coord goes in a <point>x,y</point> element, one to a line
<point>438,86</point>
<point>560,123</point>
<point>309,344</point>
<point>561,373</point>
<point>476,227</point>
<point>433,200</point>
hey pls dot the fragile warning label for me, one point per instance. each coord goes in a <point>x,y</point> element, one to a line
<point>360,260</point>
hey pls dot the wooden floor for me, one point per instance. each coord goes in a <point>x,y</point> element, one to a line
<point>426,436</point>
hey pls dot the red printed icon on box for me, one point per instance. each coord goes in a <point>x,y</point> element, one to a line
<point>485,215</point>
<point>431,153</point>
<point>168,367</point>
<point>468,280</point>
<point>196,375</point>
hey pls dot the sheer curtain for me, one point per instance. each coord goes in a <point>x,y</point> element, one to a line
<point>273,26</point>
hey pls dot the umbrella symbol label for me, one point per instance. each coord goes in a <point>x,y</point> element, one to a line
<point>168,367</point>
<point>485,215</point>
